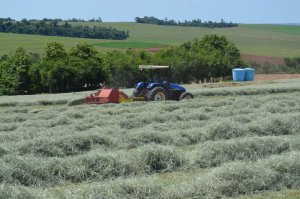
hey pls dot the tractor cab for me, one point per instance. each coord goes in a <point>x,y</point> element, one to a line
<point>159,89</point>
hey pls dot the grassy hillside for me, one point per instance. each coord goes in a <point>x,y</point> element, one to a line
<point>266,40</point>
<point>232,142</point>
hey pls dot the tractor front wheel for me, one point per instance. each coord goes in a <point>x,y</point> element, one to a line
<point>186,96</point>
<point>157,94</point>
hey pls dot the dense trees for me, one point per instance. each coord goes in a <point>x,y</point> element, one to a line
<point>193,23</point>
<point>123,67</point>
<point>83,67</point>
<point>213,56</point>
<point>14,72</point>
<point>53,28</point>
<point>57,71</point>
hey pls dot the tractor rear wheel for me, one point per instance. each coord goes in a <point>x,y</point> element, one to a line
<point>186,96</point>
<point>157,94</point>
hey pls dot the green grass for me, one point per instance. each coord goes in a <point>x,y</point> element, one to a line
<point>35,43</point>
<point>289,29</point>
<point>265,40</point>
<point>128,44</point>
<point>232,142</point>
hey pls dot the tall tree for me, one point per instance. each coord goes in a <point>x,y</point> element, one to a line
<point>55,51</point>
<point>14,76</point>
<point>87,62</point>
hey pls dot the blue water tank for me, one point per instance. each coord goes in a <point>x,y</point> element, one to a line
<point>238,74</point>
<point>249,74</point>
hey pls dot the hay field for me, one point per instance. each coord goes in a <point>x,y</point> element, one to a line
<point>230,141</point>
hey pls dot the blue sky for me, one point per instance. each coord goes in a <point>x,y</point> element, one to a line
<point>241,11</point>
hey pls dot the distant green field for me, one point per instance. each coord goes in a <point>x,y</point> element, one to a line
<point>265,40</point>
<point>128,44</point>
<point>276,28</point>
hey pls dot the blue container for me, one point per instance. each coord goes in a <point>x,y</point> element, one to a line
<point>238,74</point>
<point>249,74</point>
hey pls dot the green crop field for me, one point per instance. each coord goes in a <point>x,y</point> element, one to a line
<point>234,140</point>
<point>129,44</point>
<point>265,40</point>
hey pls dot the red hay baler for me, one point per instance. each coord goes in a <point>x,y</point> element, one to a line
<point>105,95</point>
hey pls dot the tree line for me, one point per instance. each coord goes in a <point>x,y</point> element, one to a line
<point>193,23</point>
<point>83,67</point>
<point>54,28</point>
<point>99,19</point>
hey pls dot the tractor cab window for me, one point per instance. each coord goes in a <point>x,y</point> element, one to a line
<point>155,78</point>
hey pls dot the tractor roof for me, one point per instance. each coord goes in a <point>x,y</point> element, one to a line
<point>151,67</point>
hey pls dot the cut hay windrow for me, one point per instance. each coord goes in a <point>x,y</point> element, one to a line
<point>275,173</point>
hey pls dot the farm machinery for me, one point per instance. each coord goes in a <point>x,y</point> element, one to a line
<point>153,90</point>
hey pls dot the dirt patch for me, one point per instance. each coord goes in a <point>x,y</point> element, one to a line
<point>271,77</point>
<point>262,59</point>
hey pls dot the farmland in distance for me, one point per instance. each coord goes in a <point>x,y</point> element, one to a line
<point>263,40</point>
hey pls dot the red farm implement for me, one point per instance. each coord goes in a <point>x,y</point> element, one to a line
<point>106,95</point>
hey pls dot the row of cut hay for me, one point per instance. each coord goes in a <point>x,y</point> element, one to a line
<point>100,164</point>
<point>65,141</point>
<point>212,154</point>
<point>29,170</point>
<point>42,99</point>
<point>276,124</point>
<point>65,145</point>
<point>221,129</point>
<point>35,103</point>
<point>275,173</point>
<point>119,188</point>
<point>77,142</point>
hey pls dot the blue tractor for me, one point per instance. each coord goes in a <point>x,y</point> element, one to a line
<point>159,90</point>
